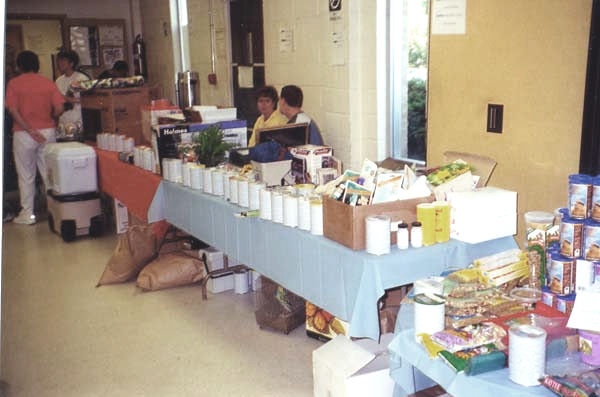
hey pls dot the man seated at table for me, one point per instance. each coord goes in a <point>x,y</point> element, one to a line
<point>290,105</point>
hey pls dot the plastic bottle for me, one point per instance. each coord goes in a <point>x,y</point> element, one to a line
<point>402,236</point>
<point>416,235</point>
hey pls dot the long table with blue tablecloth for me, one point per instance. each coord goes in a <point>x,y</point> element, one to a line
<point>406,355</point>
<point>344,282</point>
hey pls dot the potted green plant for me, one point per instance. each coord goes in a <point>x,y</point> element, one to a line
<point>209,146</point>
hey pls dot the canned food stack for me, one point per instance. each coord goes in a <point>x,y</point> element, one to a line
<point>573,260</point>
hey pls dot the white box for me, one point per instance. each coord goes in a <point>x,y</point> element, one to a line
<point>214,258</point>
<point>272,173</point>
<point>342,368</point>
<point>71,168</point>
<point>211,114</point>
<point>221,283</point>
<point>482,214</point>
<point>121,217</point>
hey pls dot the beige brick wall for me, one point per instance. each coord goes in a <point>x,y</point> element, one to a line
<point>156,30</point>
<point>340,98</point>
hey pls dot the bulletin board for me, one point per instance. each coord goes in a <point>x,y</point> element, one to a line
<point>98,42</point>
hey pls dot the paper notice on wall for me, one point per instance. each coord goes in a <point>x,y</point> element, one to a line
<point>286,39</point>
<point>448,16</point>
<point>585,314</point>
<point>245,76</point>
<point>338,43</point>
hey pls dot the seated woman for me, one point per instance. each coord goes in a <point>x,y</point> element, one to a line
<point>269,115</point>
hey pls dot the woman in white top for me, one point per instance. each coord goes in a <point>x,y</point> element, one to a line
<point>70,121</point>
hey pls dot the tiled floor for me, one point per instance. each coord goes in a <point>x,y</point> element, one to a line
<point>61,336</point>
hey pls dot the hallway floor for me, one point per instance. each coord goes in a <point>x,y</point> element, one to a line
<point>61,336</point>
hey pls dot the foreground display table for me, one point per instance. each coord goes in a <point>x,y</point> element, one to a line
<point>138,189</point>
<point>346,283</point>
<point>406,355</point>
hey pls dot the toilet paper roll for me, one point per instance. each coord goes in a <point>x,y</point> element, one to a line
<point>120,143</point>
<point>185,170</point>
<point>377,234</point>
<point>207,180</point>
<point>290,210</point>
<point>254,189</point>
<point>429,314</point>
<point>128,144</point>
<point>112,142</point>
<point>175,171</point>
<point>217,182</point>
<point>240,279</point>
<point>227,183</point>
<point>316,217</point>
<point>304,213</point>
<point>136,156</point>
<point>243,193</point>
<point>233,189</point>
<point>165,168</point>
<point>526,354</point>
<point>148,155</point>
<point>304,189</point>
<point>265,203</point>
<point>277,206</point>
<point>196,177</point>
<point>100,141</point>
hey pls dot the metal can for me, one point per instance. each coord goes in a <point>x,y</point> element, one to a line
<point>571,233</point>
<point>561,275</point>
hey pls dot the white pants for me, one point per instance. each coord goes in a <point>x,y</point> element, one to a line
<point>28,153</point>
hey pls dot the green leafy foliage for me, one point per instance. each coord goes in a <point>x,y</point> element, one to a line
<point>210,147</point>
<point>417,121</point>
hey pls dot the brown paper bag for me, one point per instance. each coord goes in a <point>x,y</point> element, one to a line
<point>134,250</point>
<point>170,270</point>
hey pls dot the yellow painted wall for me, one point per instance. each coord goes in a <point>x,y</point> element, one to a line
<point>530,56</point>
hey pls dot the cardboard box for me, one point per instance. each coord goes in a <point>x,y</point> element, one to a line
<point>343,368</point>
<point>313,160</point>
<point>166,138</point>
<point>322,325</point>
<point>214,258</point>
<point>346,224</point>
<point>150,115</point>
<point>221,283</point>
<point>482,214</point>
<point>272,173</point>
<point>116,110</point>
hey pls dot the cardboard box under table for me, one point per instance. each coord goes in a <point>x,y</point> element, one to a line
<point>345,368</point>
<point>346,223</point>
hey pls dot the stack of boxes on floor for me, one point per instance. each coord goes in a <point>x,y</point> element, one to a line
<point>572,246</point>
<point>241,281</point>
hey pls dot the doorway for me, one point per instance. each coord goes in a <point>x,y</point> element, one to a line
<point>247,57</point>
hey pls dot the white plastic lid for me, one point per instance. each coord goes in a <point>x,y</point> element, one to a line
<point>539,217</point>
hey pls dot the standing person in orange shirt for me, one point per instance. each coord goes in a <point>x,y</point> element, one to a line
<point>34,103</point>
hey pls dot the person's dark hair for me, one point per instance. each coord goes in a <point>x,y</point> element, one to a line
<point>121,66</point>
<point>292,95</point>
<point>70,56</point>
<point>28,61</point>
<point>268,92</point>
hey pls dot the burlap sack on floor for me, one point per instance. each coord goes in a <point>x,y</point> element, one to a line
<point>134,250</point>
<point>171,270</point>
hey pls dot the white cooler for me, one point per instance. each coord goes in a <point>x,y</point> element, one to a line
<point>71,168</point>
<point>73,200</point>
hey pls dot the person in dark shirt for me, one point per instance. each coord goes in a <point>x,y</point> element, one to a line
<point>290,105</point>
<point>119,69</point>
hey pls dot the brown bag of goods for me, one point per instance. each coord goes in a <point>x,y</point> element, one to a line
<point>134,250</point>
<point>170,270</point>
<point>387,318</point>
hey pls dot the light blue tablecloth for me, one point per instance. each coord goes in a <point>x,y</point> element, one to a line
<point>344,282</point>
<point>406,355</point>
